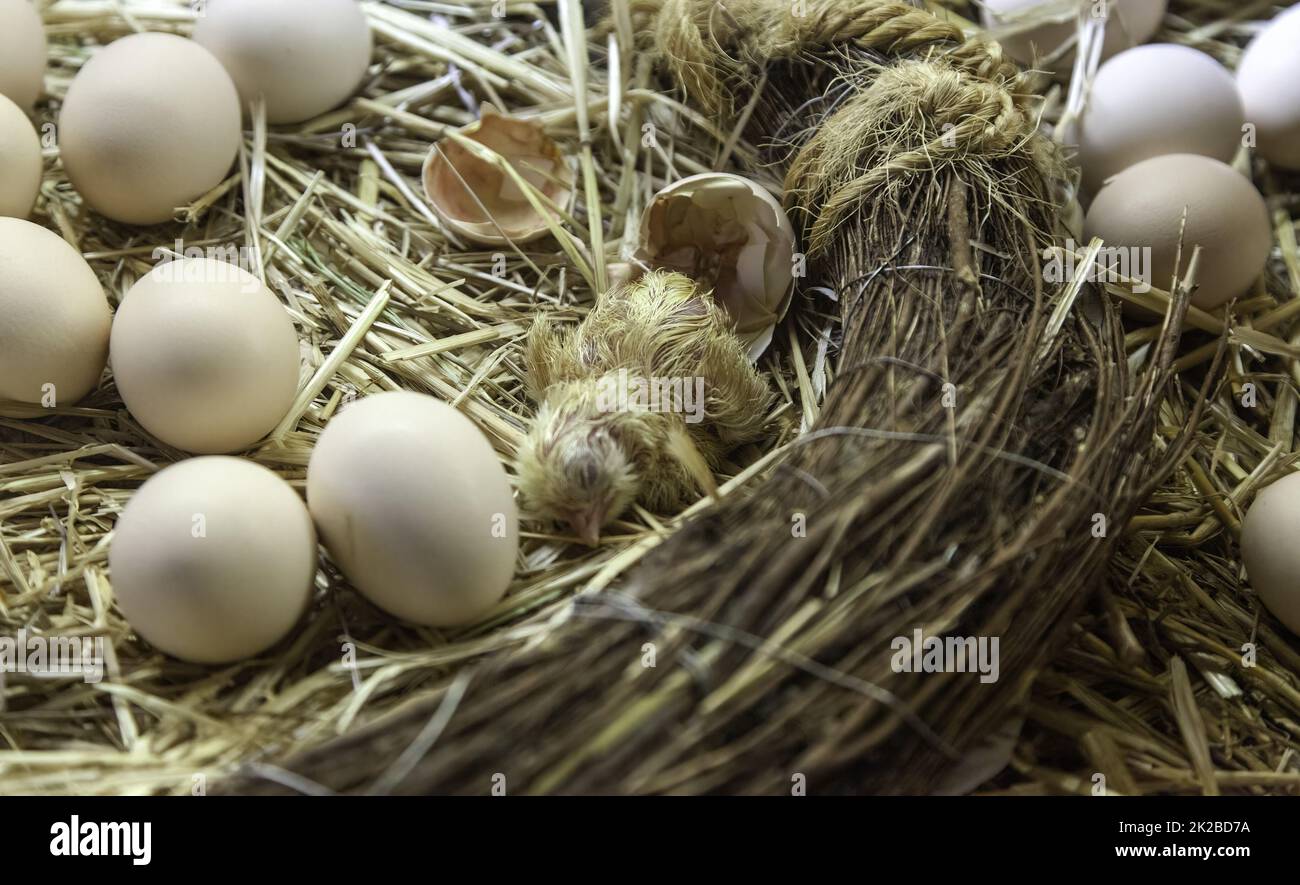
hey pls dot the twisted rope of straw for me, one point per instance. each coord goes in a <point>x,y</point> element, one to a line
<point>964,97</point>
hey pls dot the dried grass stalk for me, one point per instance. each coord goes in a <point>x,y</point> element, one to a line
<point>979,432</point>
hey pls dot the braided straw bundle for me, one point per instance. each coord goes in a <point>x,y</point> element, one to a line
<point>979,449</point>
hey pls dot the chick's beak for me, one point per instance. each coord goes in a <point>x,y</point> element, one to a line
<point>586,525</point>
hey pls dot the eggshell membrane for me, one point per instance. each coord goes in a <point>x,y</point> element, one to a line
<point>414,506</point>
<point>460,185</point>
<point>149,124</point>
<point>1155,100</point>
<point>213,559</point>
<point>22,52</point>
<point>728,234</point>
<point>1270,552</point>
<point>304,57</point>
<point>1143,207</point>
<point>1268,77</point>
<point>205,357</point>
<point>1130,23</point>
<point>21,164</point>
<point>54,318</point>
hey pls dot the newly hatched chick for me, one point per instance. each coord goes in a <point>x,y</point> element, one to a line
<point>598,443</point>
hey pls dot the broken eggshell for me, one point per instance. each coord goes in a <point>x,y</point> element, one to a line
<point>728,233</point>
<point>460,185</point>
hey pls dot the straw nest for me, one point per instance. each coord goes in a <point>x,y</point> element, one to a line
<point>1152,690</point>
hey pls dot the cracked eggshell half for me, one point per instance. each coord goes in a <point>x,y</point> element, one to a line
<point>304,57</point>
<point>414,506</point>
<point>1032,30</point>
<point>204,355</point>
<point>150,124</point>
<point>728,234</point>
<point>478,200</point>
<point>213,559</point>
<point>54,318</point>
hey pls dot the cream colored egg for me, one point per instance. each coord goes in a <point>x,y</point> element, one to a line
<point>1154,100</point>
<point>1268,76</point>
<point>54,318</point>
<point>1141,210</point>
<point>149,124</point>
<point>22,52</point>
<point>213,559</point>
<point>205,357</point>
<point>304,57</point>
<point>1270,551</point>
<point>1128,23</point>
<point>414,506</point>
<point>21,163</point>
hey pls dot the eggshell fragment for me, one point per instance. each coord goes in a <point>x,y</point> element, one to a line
<point>1143,206</point>
<point>304,57</point>
<point>22,52</point>
<point>481,202</point>
<point>213,559</point>
<point>1270,552</point>
<point>205,357</point>
<point>1128,23</point>
<point>149,124</point>
<point>729,234</point>
<point>54,318</point>
<point>1155,100</point>
<point>21,163</point>
<point>414,506</point>
<point>1268,77</point>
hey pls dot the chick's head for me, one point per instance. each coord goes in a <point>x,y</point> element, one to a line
<point>574,465</point>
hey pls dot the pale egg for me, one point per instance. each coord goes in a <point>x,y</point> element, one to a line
<point>1028,40</point>
<point>149,124</point>
<point>21,164</point>
<point>1154,100</point>
<point>54,318</point>
<point>204,355</point>
<point>22,52</point>
<point>414,506</point>
<point>304,57</point>
<point>478,200</point>
<point>1270,552</point>
<point>1268,76</point>
<point>213,559</point>
<point>1141,211</point>
<point>730,235</point>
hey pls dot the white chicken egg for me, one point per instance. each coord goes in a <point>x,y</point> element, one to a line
<point>414,506</point>
<point>1154,100</point>
<point>213,559</point>
<point>204,355</point>
<point>149,124</point>
<point>21,164</point>
<point>1268,76</point>
<point>1141,210</point>
<point>1270,551</point>
<point>304,57</point>
<point>54,318</point>
<point>1128,23</point>
<point>22,52</point>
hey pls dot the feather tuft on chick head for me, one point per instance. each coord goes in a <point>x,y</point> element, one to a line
<point>637,404</point>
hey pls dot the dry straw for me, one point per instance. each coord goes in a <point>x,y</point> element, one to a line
<point>769,660</point>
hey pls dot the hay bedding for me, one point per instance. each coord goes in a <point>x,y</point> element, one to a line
<point>383,300</point>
